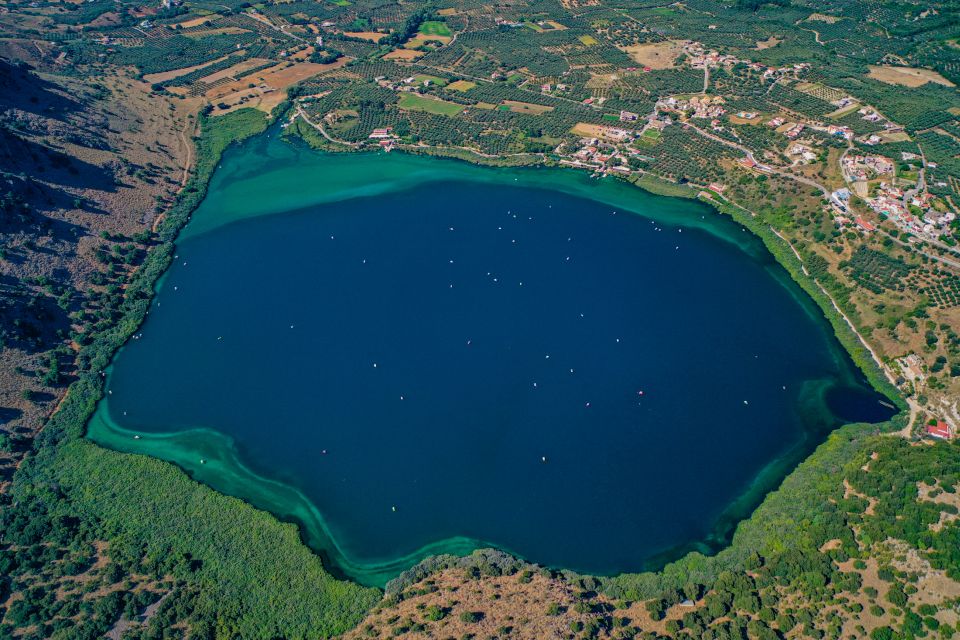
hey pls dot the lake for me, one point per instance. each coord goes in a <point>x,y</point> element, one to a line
<point>408,355</point>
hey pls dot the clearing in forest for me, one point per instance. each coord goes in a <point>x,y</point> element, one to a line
<point>403,54</point>
<point>372,36</point>
<point>204,33</point>
<point>435,28</point>
<point>659,55</point>
<point>412,102</point>
<point>907,76</point>
<point>525,107</point>
<point>461,85</point>
<point>769,43</point>
<point>194,22</point>
<point>822,17</point>
<point>588,130</point>
<point>423,38</point>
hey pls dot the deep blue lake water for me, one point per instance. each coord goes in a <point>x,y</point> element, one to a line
<point>509,365</point>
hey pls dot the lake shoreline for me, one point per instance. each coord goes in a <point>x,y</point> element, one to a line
<point>210,457</point>
<point>782,251</point>
<point>751,496</point>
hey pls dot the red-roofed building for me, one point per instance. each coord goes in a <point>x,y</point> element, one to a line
<point>863,224</point>
<point>939,430</point>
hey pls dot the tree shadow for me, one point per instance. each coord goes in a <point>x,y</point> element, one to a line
<point>29,320</point>
<point>9,414</point>
<point>22,89</point>
<point>20,155</point>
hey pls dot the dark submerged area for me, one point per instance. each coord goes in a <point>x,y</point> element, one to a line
<point>461,363</point>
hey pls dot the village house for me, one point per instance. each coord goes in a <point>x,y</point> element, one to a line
<point>794,131</point>
<point>939,430</point>
<point>379,134</point>
<point>839,199</point>
<point>858,168</point>
<point>804,152</point>
<point>701,106</point>
<point>842,132</point>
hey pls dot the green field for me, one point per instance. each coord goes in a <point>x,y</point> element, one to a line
<point>423,78</point>
<point>461,85</point>
<point>435,28</point>
<point>413,102</point>
<point>649,138</point>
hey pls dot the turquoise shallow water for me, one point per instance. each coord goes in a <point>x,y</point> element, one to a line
<point>409,355</point>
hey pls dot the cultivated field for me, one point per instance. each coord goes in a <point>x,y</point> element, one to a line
<point>822,17</point>
<point>372,36</point>
<point>588,130</point>
<point>526,107</point>
<point>403,54</point>
<point>662,55</point>
<point>907,76</point>
<point>413,102</point>
<point>461,85</point>
<point>176,73</point>
<point>435,28</point>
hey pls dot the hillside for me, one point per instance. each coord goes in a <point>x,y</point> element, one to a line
<point>831,131</point>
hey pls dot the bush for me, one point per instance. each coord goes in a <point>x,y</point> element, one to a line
<point>471,617</point>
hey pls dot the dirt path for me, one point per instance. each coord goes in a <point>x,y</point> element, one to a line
<point>816,36</point>
<point>863,341</point>
<point>264,20</point>
<point>185,174</point>
<point>803,267</point>
<point>188,163</point>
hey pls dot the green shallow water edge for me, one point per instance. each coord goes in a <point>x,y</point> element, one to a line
<point>211,457</point>
<point>325,178</point>
<point>222,467</point>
